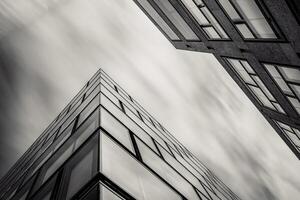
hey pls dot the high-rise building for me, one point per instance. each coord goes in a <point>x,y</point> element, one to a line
<point>104,145</point>
<point>256,41</point>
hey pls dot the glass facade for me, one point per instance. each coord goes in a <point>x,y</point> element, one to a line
<point>291,133</point>
<point>205,19</point>
<point>248,18</point>
<point>104,145</point>
<point>246,73</point>
<point>288,80</point>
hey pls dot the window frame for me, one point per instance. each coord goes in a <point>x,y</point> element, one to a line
<point>267,16</point>
<point>248,85</point>
<point>210,24</point>
<point>286,95</point>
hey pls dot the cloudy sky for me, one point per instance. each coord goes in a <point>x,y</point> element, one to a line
<point>48,50</point>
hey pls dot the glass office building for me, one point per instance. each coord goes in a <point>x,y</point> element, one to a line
<point>256,41</point>
<point>104,145</point>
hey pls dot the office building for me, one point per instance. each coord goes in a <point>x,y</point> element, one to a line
<point>256,41</point>
<point>104,145</point>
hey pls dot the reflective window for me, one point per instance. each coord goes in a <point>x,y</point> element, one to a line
<point>107,194</point>
<point>205,19</point>
<point>46,191</point>
<point>254,84</point>
<point>120,167</point>
<point>157,18</point>
<point>180,168</point>
<point>166,172</point>
<point>288,80</point>
<point>87,128</point>
<point>248,18</point>
<point>88,109</point>
<point>176,19</point>
<point>291,133</point>
<point>115,128</point>
<point>82,172</point>
<point>54,164</point>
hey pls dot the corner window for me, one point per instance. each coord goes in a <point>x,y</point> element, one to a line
<point>205,19</point>
<point>246,73</point>
<point>248,18</point>
<point>288,80</point>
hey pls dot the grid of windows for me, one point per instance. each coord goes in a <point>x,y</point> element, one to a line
<point>248,18</point>
<point>288,80</point>
<point>109,144</point>
<point>291,133</point>
<point>205,19</point>
<point>254,83</point>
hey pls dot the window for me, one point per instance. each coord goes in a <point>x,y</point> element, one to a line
<point>166,172</point>
<point>254,84</point>
<point>120,166</point>
<point>180,168</point>
<point>46,191</point>
<point>205,19</point>
<point>288,80</point>
<point>89,109</point>
<point>157,18</point>
<point>176,19</point>
<point>116,129</point>
<point>107,194</point>
<point>291,133</point>
<point>248,19</point>
<point>81,168</point>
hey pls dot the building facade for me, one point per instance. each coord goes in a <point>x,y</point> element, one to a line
<point>104,145</point>
<point>256,41</point>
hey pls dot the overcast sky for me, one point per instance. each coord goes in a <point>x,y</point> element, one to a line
<point>49,51</point>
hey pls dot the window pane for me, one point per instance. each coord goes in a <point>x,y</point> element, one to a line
<point>116,129</point>
<point>254,18</point>
<point>157,18</point>
<point>86,129</point>
<point>296,89</point>
<point>263,87</point>
<point>204,17</point>
<point>92,195</point>
<point>295,103</point>
<point>81,173</point>
<point>211,32</point>
<point>166,172</point>
<point>57,162</point>
<point>291,74</point>
<point>247,66</point>
<point>262,97</point>
<point>108,194</point>
<point>181,169</point>
<point>214,22</point>
<point>241,71</point>
<point>121,167</point>
<point>89,109</point>
<point>245,31</point>
<point>176,19</point>
<point>293,138</point>
<point>230,9</point>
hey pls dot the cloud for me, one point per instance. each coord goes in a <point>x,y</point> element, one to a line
<point>44,64</point>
